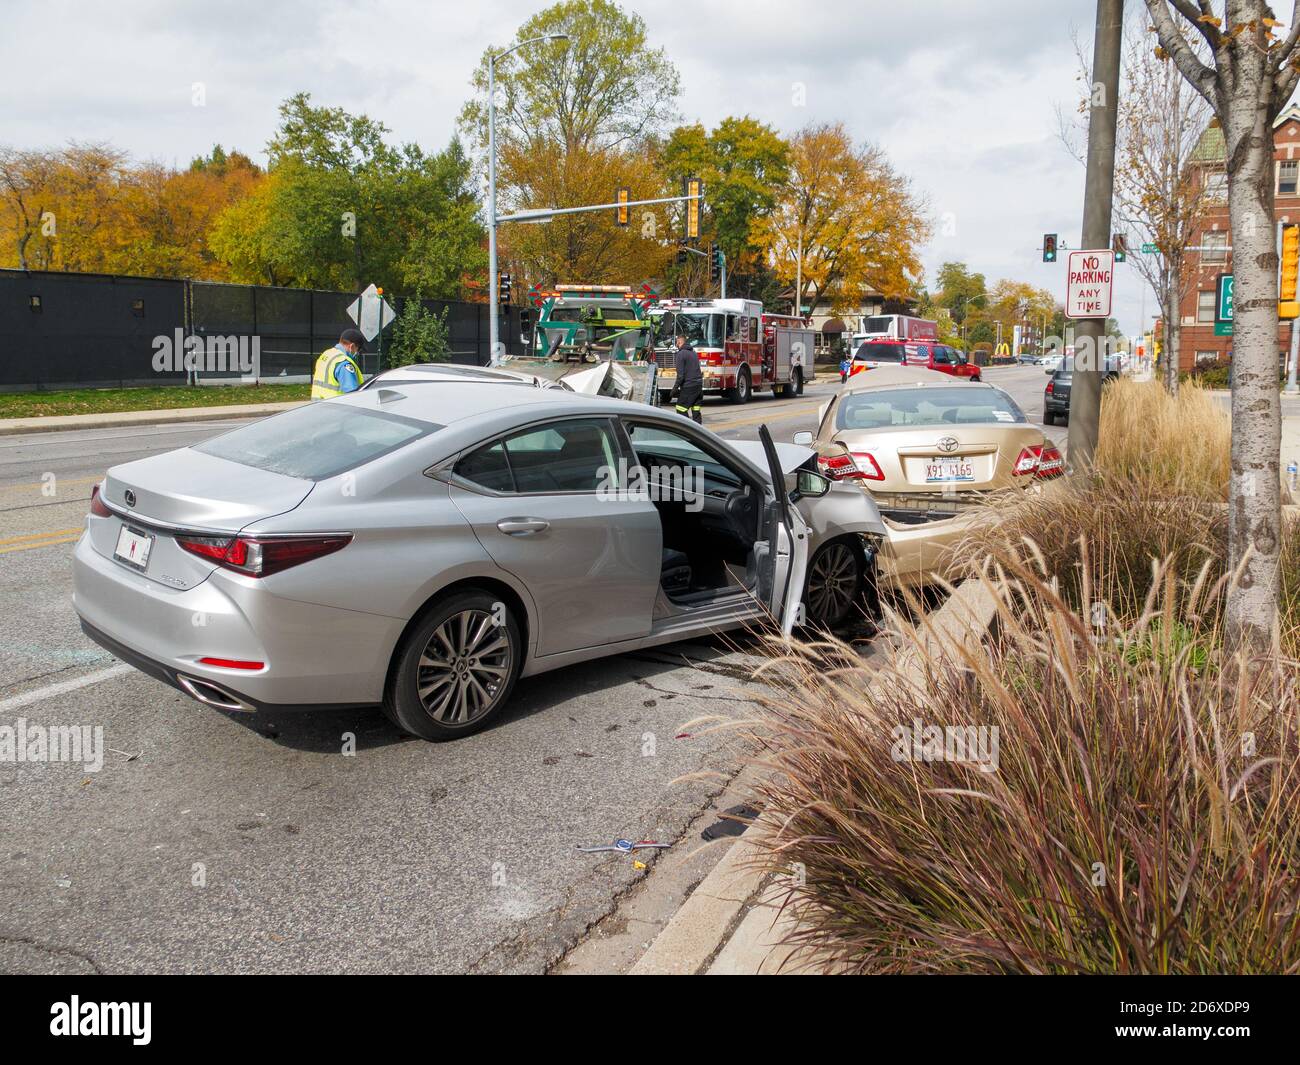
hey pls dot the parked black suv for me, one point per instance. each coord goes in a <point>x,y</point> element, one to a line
<point>1056,397</point>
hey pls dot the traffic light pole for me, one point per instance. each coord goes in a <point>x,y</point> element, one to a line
<point>1085,390</point>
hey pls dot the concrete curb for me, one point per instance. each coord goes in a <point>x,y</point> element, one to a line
<point>731,924</point>
<point>118,419</point>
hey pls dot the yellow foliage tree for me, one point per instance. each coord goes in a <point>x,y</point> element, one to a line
<point>848,218</point>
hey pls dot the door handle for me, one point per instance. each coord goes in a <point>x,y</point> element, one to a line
<point>522,526</point>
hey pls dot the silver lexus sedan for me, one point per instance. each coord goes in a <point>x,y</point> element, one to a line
<point>421,546</point>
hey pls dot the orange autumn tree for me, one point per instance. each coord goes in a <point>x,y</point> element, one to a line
<point>857,220</point>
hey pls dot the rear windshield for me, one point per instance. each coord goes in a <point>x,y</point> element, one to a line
<point>881,353</point>
<point>316,441</point>
<point>926,406</point>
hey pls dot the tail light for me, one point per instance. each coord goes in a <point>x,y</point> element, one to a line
<point>97,506</point>
<point>868,466</point>
<point>1050,464</point>
<point>856,467</point>
<point>257,556</point>
<point>231,663</point>
<point>1050,385</point>
<point>838,467</point>
<point>1044,461</point>
<point>1028,459</point>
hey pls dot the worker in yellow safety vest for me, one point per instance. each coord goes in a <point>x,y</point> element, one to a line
<point>336,370</point>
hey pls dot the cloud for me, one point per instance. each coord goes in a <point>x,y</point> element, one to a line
<point>961,95</point>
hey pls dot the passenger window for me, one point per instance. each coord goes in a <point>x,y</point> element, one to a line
<point>487,468</point>
<point>941,356</point>
<point>732,334</point>
<point>753,330</point>
<point>575,456</point>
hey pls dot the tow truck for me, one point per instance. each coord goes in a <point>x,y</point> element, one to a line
<point>593,339</point>
<point>741,349</point>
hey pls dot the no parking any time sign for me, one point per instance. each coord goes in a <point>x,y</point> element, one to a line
<point>1088,288</point>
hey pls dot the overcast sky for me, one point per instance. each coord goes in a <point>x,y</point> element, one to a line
<point>963,95</point>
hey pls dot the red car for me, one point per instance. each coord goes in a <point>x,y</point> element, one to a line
<point>945,359</point>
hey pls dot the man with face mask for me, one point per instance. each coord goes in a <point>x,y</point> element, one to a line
<point>336,370</point>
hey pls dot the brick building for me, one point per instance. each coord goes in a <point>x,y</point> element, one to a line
<point>1198,342</point>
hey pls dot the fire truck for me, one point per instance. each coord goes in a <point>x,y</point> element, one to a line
<point>741,349</point>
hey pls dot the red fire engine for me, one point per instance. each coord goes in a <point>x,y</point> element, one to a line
<point>741,349</point>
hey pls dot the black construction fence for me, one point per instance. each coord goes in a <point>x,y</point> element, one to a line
<point>63,330</point>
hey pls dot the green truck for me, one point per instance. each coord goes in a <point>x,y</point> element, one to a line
<point>596,339</point>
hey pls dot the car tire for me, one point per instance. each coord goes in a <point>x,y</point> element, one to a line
<point>796,381</point>
<point>744,387</point>
<point>833,588</point>
<point>467,695</point>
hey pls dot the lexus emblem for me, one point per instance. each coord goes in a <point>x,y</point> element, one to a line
<point>948,443</point>
<point>129,496</point>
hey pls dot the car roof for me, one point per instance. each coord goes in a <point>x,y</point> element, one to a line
<point>898,377</point>
<point>434,371</point>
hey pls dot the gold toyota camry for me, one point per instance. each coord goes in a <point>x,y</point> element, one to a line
<point>930,449</point>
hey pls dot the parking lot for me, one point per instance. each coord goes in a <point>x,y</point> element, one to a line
<point>308,841</point>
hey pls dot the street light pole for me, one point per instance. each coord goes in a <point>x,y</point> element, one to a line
<point>494,319</point>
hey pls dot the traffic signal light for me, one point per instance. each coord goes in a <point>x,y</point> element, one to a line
<point>503,289</point>
<point>681,256</point>
<point>1049,247</point>
<point>715,263</point>
<point>1119,245</point>
<point>694,188</point>
<point>1287,305</point>
<point>622,213</point>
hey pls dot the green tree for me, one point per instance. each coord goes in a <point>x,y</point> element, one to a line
<point>744,164</point>
<point>419,335</point>
<point>341,208</point>
<point>603,88</point>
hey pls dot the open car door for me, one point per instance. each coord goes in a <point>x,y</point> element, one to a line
<point>783,571</point>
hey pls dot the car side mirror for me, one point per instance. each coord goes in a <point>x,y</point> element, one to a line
<point>811,485</point>
<point>803,438</point>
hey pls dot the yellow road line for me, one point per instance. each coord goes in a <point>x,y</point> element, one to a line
<point>43,543</point>
<point>41,536</point>
<point>760,419</point>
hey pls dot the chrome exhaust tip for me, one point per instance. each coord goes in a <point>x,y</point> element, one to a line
<point>212,694</point>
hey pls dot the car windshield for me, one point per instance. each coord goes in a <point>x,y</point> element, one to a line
<point>880,353</point>
<point>888,408</point>
<point>316,441</point>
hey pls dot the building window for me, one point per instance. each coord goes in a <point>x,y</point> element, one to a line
<point>1205,307</point>
<point>1288,173</point>
<point>1214,247</point>
<point>1216,187</point>
<point>1207,356</point>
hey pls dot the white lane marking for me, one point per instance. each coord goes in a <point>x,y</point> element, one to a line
<point>51,690</point>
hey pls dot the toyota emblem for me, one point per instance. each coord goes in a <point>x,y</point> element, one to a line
<point>948,443</point>
<point>129,496</point>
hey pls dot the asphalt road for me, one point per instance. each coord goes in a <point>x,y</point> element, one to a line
<point>213,842</point>
<point>241,843</point>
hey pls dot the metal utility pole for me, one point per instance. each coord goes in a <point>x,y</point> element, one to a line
<point>494,321</point>
<point>1085,391</point>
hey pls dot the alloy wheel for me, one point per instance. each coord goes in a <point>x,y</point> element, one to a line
<point>464,667</point>
<point>832,584</point>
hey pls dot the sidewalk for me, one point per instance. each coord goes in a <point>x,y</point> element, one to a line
<point>732,923</point>
<point>117,419</point>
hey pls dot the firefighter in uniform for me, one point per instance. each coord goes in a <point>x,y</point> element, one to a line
<point>336,370</point>
<point>689,386</point>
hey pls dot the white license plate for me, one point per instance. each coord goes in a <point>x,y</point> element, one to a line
<point>133,547</point>
<point>945,470</point>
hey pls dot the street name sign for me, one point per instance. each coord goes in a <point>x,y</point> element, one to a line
<point>1224,298</point>
<point>1088,284</point>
